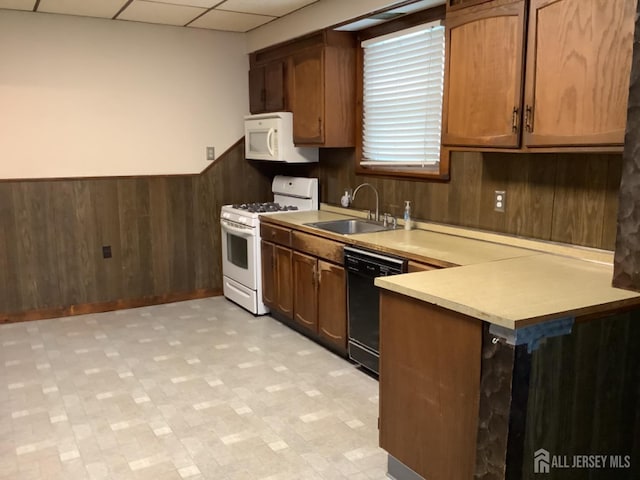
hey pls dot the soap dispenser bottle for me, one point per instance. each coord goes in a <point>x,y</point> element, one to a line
<point>407,215</point>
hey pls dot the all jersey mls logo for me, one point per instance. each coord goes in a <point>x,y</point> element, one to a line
<point>544,462</point>
<point>541,461</point>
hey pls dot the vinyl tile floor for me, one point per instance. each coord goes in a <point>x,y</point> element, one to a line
<point>190,390</point>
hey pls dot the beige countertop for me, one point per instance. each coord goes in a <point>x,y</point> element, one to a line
<point>519,291</point>
<point>421,245</point>
<point>491,280</point>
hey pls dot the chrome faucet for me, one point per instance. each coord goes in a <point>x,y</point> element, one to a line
<point>353,197</point>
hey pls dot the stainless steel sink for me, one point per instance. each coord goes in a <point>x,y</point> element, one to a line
<point>350,226</point>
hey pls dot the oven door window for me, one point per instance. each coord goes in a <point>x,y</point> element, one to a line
<point>238,251</point>
<point>240,255</point>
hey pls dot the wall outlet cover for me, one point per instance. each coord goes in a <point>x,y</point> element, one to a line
<point>499,200</point>
<point>211,153</point>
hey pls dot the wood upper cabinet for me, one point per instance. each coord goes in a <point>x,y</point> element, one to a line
<point>323,91</point>
<point>308,96</point>
<point>578,61</point>
<point>483,76</point>
<point>267,87</point>
<point>277,278</point>
<point>305,298</point>
<point>578,66</point>
<point>332,303</point>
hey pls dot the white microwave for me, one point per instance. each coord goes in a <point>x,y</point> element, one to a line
<point>269,136</point>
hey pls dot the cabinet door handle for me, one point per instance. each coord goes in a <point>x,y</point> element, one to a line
<point>313,276</point>
<point>514,120</point>
<point>528,118</point>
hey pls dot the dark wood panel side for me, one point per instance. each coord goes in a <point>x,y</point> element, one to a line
<point>35,230</point>
<point>160,224</point>
<point>584,397</point>
<point>129,238</point>
<point>10,292</point>
<point>106,214</point>
<point>578,207</point>
<point>72,239</point>
<point>614,174</point>
<point>563,197</point>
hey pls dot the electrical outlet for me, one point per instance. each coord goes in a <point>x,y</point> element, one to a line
<point>106,251</point>
<point>211,154</point>
<point>499,200</point>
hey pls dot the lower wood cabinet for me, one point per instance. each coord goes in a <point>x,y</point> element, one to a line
<point>430,360</point>
<point>305,296</point>
<point>332,303</point>
<point>320,298</point>
<point>277,278</point>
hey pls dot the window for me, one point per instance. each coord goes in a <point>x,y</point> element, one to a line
<point>403,76</point>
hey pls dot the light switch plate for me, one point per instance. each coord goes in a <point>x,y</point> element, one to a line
<point>211,153</point>
<point>499,200</point>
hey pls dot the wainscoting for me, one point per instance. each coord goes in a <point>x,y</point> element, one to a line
<point>163,232</point>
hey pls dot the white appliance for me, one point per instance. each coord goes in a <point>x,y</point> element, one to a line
<point>241,255</point>
<point>269,136</point>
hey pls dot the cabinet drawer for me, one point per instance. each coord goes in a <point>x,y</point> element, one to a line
<point>275,234</point>
<point>318,247</point>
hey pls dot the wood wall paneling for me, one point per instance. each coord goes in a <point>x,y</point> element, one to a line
<point>164,234</point>
<point>106,219</point>
<point>570,198</point>
<point>36,265</point>
<point>578,213</point>
<point>10,291</point>
<point>595,369</point>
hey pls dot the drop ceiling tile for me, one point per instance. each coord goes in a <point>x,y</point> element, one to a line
<point>164,13</point>
<point>18,4</point>
<point>95,8</point>
<point>275,8</point>
<point>230,21</point>
<point>192,3</point>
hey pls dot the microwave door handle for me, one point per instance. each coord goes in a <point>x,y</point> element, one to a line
<point>270,141</point>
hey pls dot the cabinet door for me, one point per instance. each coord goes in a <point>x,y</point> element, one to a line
<point>306,294</point>
<point>257,90</point>
<point>483,79</point>
<point>332,303</point>
<point>274,87</point>
<point>578,64</point>
<point>268,274</point>
<point>284,281</point>
<point>308,96</point>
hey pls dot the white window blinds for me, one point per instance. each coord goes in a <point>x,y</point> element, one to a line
<point>402,97</point>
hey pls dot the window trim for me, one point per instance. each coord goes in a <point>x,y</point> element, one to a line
<point>437,173</point>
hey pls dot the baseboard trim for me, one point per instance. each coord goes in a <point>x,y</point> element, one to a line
<point>86,308</point>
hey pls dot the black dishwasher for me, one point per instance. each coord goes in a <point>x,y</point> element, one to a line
<point>363,266</point>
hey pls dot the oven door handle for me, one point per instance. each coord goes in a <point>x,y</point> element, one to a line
<point>242,231</point>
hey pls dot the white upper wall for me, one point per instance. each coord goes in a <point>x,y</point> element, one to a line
<point>91,97</point>
<point>316,16</point>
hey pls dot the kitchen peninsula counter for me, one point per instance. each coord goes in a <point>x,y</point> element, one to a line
<point>515,345</point>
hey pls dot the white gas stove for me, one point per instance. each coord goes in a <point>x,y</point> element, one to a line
<point>240,223</point>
